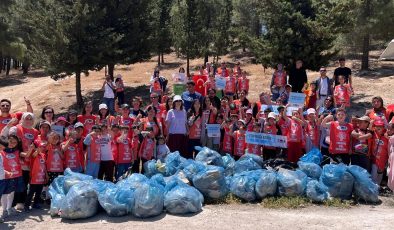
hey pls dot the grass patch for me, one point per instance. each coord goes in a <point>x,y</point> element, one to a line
<point>338,203</point>
<point>229,199</point>
<point>286,202</point>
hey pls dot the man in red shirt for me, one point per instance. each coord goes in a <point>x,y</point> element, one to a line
<point>6,116</point>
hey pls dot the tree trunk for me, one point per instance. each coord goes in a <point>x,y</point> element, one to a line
<point>25,67</point>
<point>16,64</point>
<point>187,65</point>
<point>158,59</point>
<point>206,57</point>
<point>78,90</point>
<point>8,66</point>
<point>365,55</point>
<point>1,62</point>
<point>111,68</point>
<point>162,58</point>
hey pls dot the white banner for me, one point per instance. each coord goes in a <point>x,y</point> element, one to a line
<point>266,139</point>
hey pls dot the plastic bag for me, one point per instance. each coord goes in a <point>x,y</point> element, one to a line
<point>149,200</point>
<point>159,179</point>
<point>80,202</point>
<point>316,191</point>
<point>229,164</point>
<point>191,168</point>
<point>211,182</point>
<point>80,176</point>
<point>259,160</point>
<point>338,180</point>
<point>173,163</point>
<point>310,169</point>
<point>364,187</point>
<point>291,183</point>
<point>70,181</point>
<point>134,181</point>
<point>99,185</point>
<point>243,185</point>
<point>150,168</point>
<point>117,201</point>
<point>181,198</point>
<point>245,164</point>
<point>209,156</point>
<point>266,185</point>
<point>313,156</point>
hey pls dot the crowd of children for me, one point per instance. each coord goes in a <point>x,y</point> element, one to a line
<point>106,145</point>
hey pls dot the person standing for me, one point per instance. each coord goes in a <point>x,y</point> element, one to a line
<point>190,95</point>
<point>177,128</point>
<point>109,96</point>
<point>324,86</point>
<point>278,82</point>
<point>297,77</point>
<point>344,71</point>
<point>119,86</point>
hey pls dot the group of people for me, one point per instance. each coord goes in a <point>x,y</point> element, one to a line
<point>34,151</point>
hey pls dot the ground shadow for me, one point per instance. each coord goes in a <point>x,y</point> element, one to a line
<point>97,96</point>
<point>358,107</point>
<point>20,78</point>
<point>170,65</point>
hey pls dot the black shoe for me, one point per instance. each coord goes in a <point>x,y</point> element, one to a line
<point>26,209</point>
<point>36,206</point>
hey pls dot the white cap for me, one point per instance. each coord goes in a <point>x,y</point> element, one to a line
<point>311,111</point>
<point>249,111</point>
<point>118,76</point>
<point>103,106</point>
<point>177,98</point>
<point>271,115</point>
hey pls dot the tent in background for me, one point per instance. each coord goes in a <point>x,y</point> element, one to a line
<point>388,53</point>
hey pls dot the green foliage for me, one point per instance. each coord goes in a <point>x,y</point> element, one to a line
<point>160,24</point>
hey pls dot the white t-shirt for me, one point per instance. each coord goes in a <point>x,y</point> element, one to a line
<point>108,92</point>
<point>105,146</point>
<point>323,86</point>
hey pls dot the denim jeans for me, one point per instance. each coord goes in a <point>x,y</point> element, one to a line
<point>110,102</point>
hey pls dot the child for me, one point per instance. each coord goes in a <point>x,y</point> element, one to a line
<point>312,130</point>
<point>229,90</point>
<point>55,157</point>
<point>162,149</point>
<point>295,136</point>
<point>270,127</point>
<point>361,141</point>
<point>93,153</point>
<point>379,151</point>
<point>107,164</point>
<point>10,174</point>
<point>239,140</point>
<point>136,139</point>
<point>253,148</point>
<point>124,157</point>
<point>342,93</point>
<point>243,83</point>
<point>38,176</point>
<point>227,140</point>
<point>390,170</point>
<point>148,146</point>
<point>72,152</point>
<point>284,96</point>
<point>340,136</point>
<point>310,95</point>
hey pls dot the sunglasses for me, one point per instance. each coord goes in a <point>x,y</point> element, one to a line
<point>5,105</point>
<point>48,112</point>
<point>323,70</point>
<point>153,97</point>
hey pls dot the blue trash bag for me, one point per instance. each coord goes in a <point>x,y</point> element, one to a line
<point>191,168</point>
<point>173,163</point>
<point>267,184</point>
<point>364,187</point>
<point>243,185</point>
<point>70,181</point>
<point>81,176</point>
<point>313,156</point>
<point>316,191</point>
<point>133,181</point>
<point>245,164</point>
<point>150,168</point>
<point>159,179</point>
<point>57,194</point>
<point>148,200</point>
<point>291,183</point>
<point>57,185</point>
<point>209,156</point>
<point>80,202</point>
<point>117,200</point>
<point>99,185</point>
<point>228,164</point>
<point>181,198</point>
<point>338,180</point>
<point>259,160</point>
<point>228,181</point>
<point>310,169</point>
<point>211,182</point>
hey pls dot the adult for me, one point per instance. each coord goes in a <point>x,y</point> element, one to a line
<point>194,117</point>
<point>158,84</point>
<point>264,99</point>
<point>213,98</point>
<point>327,107</point>
<point>109,94</point>
<point>190,95</point>
<point>71,118</point>
<point>324,86</point>
<point>176,123</point>
<point>103,117</point>
<point>222,70</point>
<point>48,114</point>
<point>119,88</point>
<point>6,116</point>
<point>209,114</point>
<point>297,77</point>
<point>378,110</point>
<point>208,69</point>
<point>168,106</point>
<point>278,82</point>
<point>237,69</point>
<point>155,102</point>
<point>151,121</point>
<point>87,118</point>
<point>344,71</point>
<point>137,107</point>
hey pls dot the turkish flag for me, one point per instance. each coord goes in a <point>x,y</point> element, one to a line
<point>200,80</point>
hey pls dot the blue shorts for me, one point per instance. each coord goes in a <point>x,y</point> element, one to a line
<point>8,186</point>
<point>92,169</point>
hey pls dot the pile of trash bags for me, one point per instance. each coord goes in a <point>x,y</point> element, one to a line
<point>180,186</point>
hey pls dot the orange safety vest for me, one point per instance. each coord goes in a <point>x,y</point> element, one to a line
<point>380,151</point>
<point>342,95</point>
<point>147,148</point>
<point>54,160</point>
<point>340,136</point>
<point>195,129</point>
<point>280,78</point>
<point>11,163</point>
<point>239,143</point>
<point>38,169</point>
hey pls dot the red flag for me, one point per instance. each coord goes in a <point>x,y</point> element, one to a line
<point>199,80</point>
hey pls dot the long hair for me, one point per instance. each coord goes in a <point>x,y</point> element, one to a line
<point>43,112</point>
<point>380,99</point>
<point>19,145</point>
<point>192,110</point>
<point>84,107</point>
<point>149,108</point>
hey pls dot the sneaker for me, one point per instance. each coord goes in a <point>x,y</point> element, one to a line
<point>44,195</point>
<point>12,212</point>
<point>20,207</point>
<point>26,209</point>
<point>3,216</point>
<point>36,206</point>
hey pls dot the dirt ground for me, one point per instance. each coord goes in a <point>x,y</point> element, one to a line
<point>42,90</point>
<point>236,216</point>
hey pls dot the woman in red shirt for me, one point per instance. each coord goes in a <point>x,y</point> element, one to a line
<point>194,117</point>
